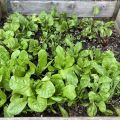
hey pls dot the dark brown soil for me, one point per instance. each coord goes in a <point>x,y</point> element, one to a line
<point>2,22</point>
<point>114,44</point>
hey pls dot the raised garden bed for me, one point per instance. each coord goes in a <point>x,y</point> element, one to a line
<point>52,65</point>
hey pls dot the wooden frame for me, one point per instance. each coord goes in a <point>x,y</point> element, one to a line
<point>118,21</point>
<point>80,8</point>
<point>3,8</point>
<point>62,118</point>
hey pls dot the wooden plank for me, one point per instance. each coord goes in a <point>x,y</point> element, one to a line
<point>80,8</point>
<point>0,12</point>
<point>118,22</point>
<point>116,10</point>
<point>62,118</point>
<point>118,18</point>
<point>3,8</point>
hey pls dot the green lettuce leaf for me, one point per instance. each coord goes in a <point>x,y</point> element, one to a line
<point>69,92</point>
<point>21,85</point>
<point>3,98</point>
<point>38,104</point>
<point>42,61</point>
<point>46,89</point>
<point>16,106</point>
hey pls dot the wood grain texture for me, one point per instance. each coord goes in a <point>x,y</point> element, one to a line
<point>62,118</point>
<point>118,18</point>
<point>3,8</point>
<point>80,8</point>
<point>0,12</point>
<point>117,7</point>
<point>118,21</point>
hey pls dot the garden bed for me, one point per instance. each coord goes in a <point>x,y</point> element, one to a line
<point>41,57</point>
<point>56,64</point>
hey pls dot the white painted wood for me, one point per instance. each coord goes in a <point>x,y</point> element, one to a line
<point>118,22</point>
<point>118,19</point>
<point>62,118</point>
<point>80,8</point>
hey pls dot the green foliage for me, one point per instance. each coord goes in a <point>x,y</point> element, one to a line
<point>96,10</point>
<point>118,111</point>
<point>4,55</point>
<point>46,89</point>
<point>38,104</point>
<point>16,106</point>
<point>63,111</point>
<point>2,98</point>
<point>21,85</point>
<point>42,65</point>
<point>95,29</point>
<point>42,61</point>
<point>92,110</point>
<point>69,92</point>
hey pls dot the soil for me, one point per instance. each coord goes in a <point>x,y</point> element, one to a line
<point>114,44</point>
<point>78,110</point>
<point>2,22</point>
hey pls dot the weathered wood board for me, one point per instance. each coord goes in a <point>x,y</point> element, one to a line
<point>80,8</point>
<point>62,118</point>
<point>118,21</point>
<point>0,13</point>
<point>3,8</point>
